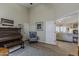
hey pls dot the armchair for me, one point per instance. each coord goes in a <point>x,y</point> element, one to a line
<point>33,37</point>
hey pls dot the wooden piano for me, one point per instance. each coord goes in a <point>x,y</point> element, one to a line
<point>10,37</point>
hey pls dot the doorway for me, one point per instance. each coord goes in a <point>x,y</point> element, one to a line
<point>67,34</point>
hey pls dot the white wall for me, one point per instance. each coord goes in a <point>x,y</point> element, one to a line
<point>42,12</point>
<point>14,12</point>
<point>63,9</point>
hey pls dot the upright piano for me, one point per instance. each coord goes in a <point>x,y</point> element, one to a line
<point>10,37</point>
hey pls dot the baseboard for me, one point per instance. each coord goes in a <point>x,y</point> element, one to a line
<point>65,41</point>
<point>48,43</point>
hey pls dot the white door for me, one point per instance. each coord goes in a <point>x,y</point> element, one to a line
<point>50,32</point>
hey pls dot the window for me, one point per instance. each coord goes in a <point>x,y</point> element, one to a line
<point>63,29</point>
<point>57,29</point>
<point>60,29</point>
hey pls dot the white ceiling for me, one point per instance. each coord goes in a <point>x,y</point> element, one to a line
<point>68,20</point>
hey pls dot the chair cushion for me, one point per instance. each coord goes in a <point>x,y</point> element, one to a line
<point>33,34</point>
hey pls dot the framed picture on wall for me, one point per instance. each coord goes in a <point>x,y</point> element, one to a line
<point>39,26</point>
<point>75,25</point>
<point>7,22</point>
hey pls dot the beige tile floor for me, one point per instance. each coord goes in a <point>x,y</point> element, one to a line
<point>70,48</point>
